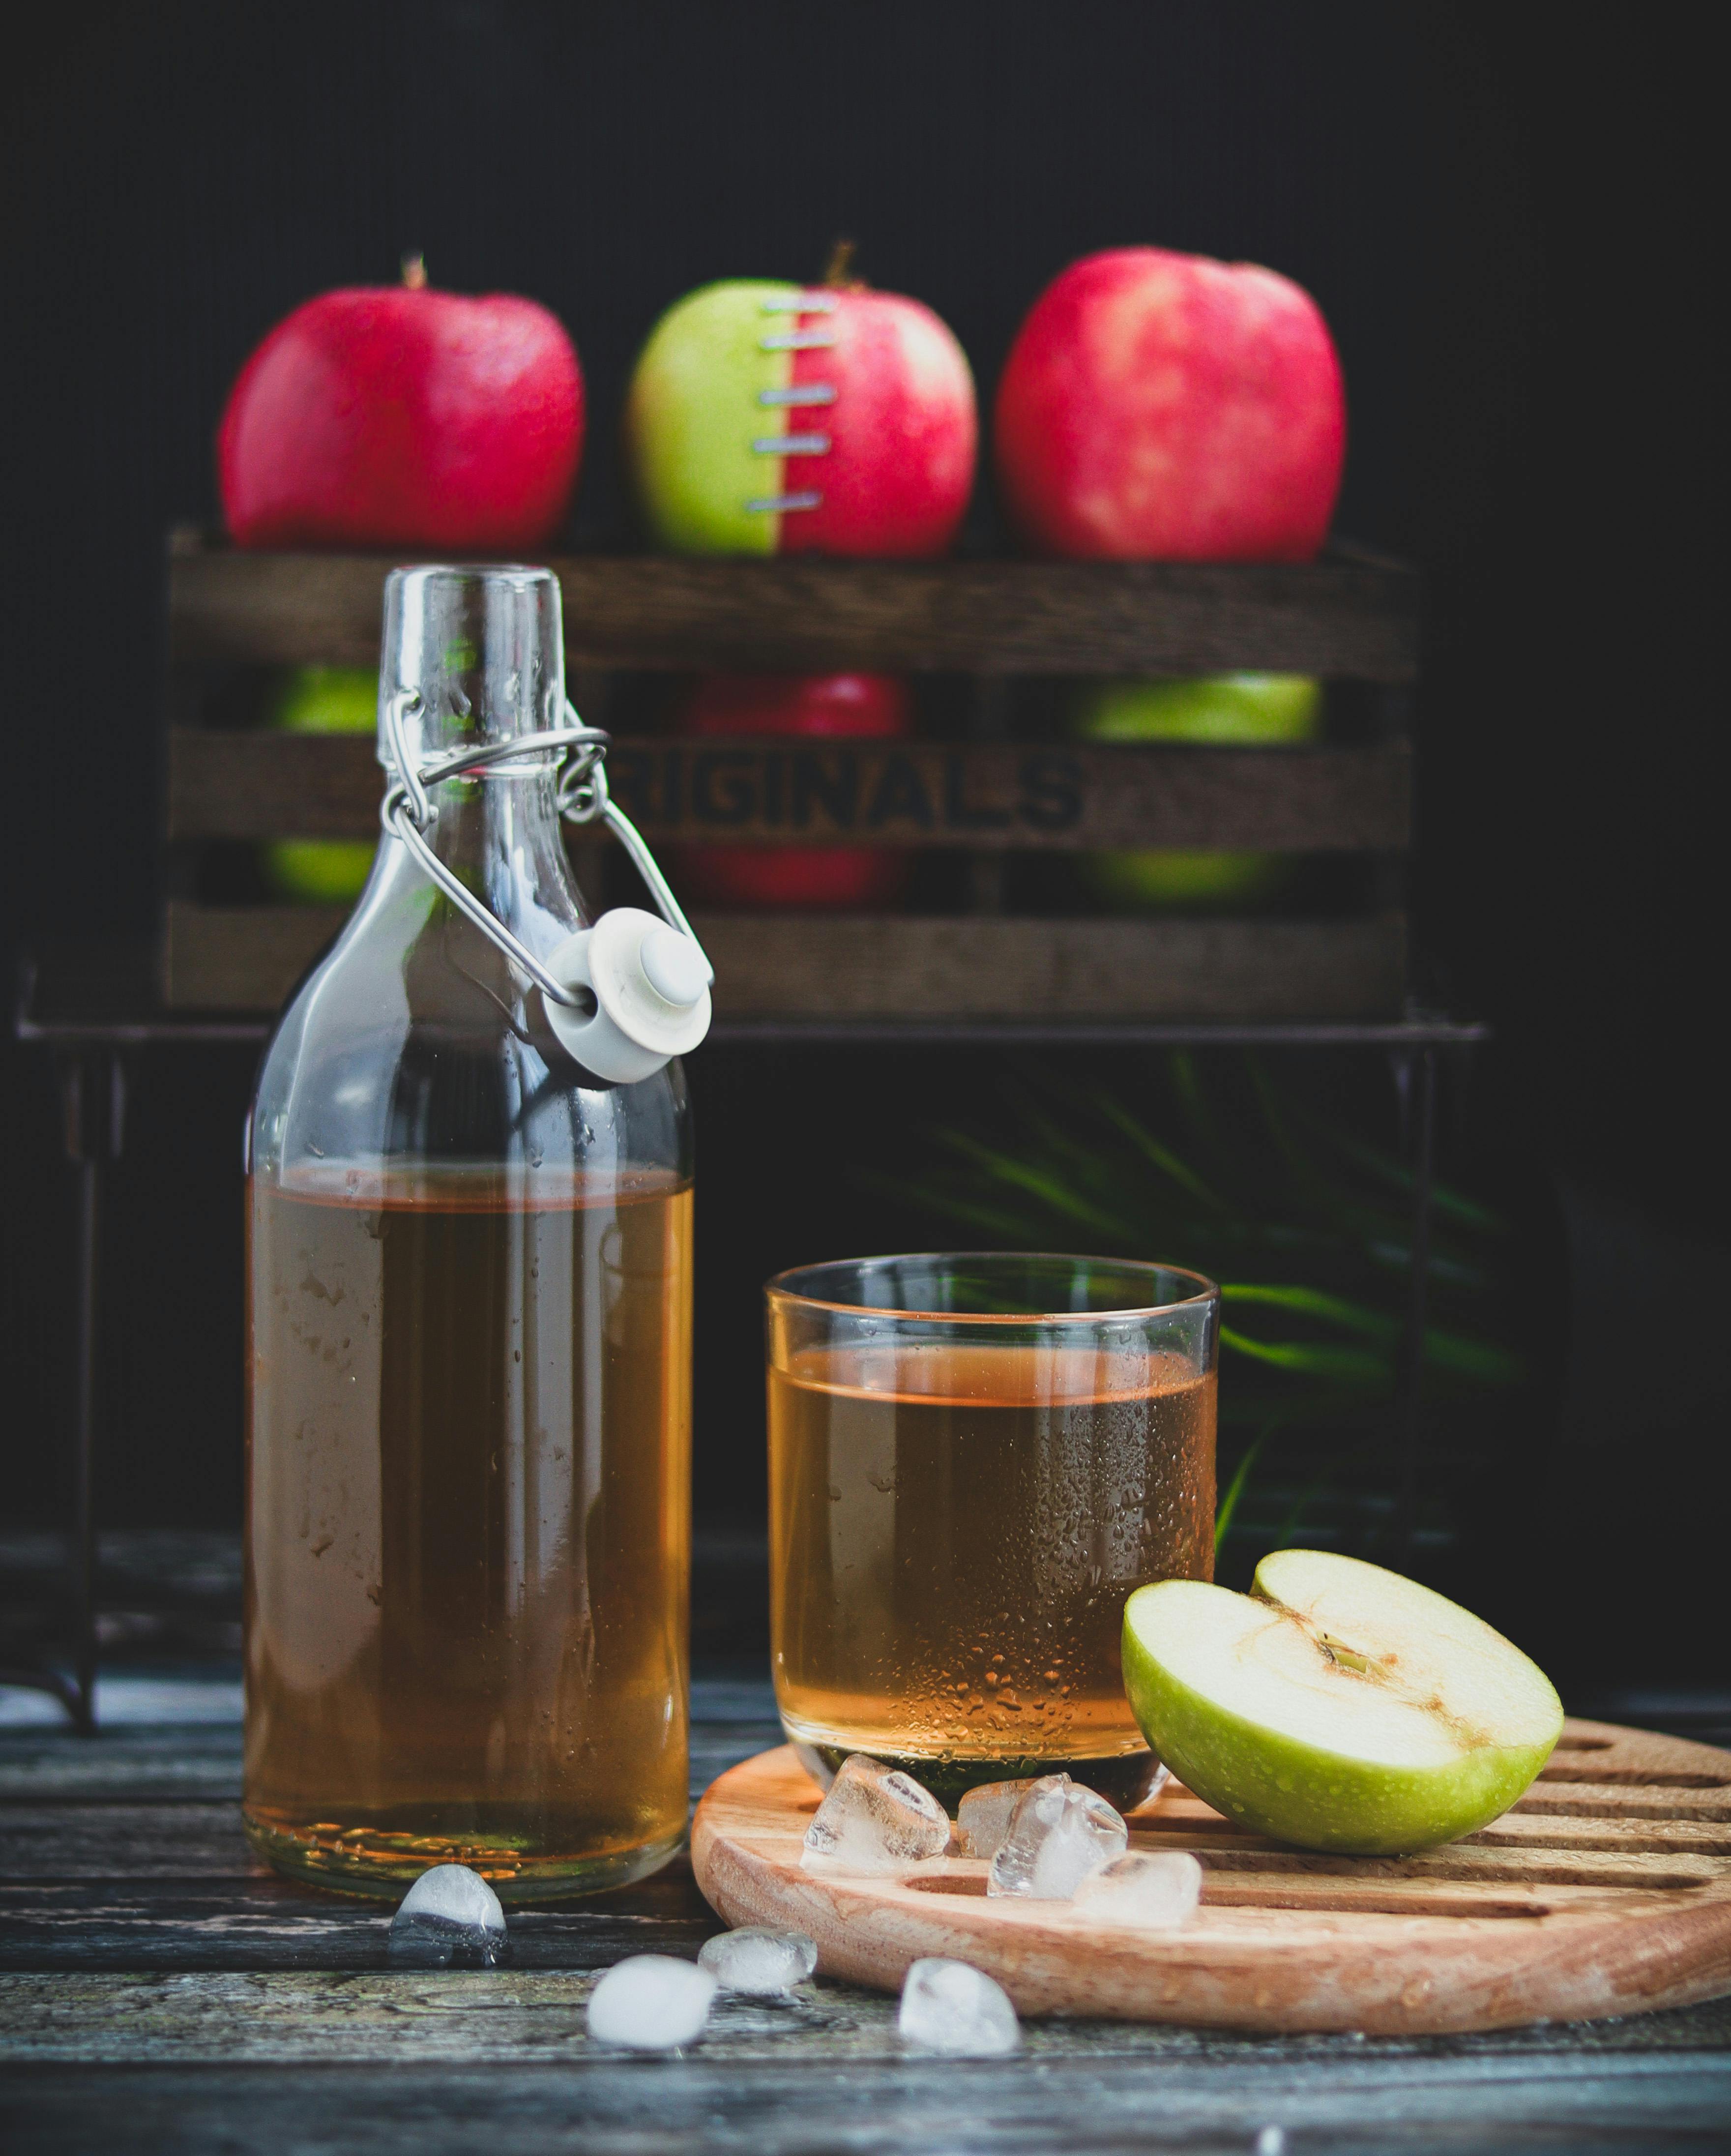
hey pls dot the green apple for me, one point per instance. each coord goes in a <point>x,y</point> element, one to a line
<point>1229,709</point>
<point>1224,709</point>
<point>1180,879</point>
<point>1336,1706</point>
<point>323,699</point>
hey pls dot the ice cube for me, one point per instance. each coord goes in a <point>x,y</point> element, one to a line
<point>1057,1834</point>
<point>948,2006</point>
<point>876,1819</point>
<point>1143,1889</point>
<point>450,1918</point>
<point>983,1816</point>
<point>651,2003</point>
<point>757,1960</point>
<point>816,1765</point>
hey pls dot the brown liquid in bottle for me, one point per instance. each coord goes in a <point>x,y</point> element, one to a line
<point>468,1490</point>
<point>953,1532</point>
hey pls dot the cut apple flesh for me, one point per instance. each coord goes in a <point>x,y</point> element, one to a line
<point>1414,1646</point>
<point>1339,1706</point>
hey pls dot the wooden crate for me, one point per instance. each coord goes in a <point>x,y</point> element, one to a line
<point>1351,620</point>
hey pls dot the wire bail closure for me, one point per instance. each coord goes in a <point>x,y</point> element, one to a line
<point>407,810</point>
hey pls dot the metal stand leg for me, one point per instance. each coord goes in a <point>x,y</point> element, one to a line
<point>93,1100</point>
<point>93,1093</point>
<point>1409,1372</point>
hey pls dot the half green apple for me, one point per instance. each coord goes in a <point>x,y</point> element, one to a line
<point>1336,1706</point>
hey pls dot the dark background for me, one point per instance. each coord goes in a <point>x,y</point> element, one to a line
<point>1507,223</point>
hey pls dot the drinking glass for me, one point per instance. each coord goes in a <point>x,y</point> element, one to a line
<point>974,1458</point>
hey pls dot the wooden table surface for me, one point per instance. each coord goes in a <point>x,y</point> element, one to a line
<point>159,1990</point>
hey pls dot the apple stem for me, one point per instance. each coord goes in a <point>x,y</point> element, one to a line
<point>841,261</point>
<point>415,272</point>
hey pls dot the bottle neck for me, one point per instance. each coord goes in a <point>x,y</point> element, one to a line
<point>500,833</point>
<point>473,661</point>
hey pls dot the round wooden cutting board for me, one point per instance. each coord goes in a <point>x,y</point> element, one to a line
<point>1606,1890</point>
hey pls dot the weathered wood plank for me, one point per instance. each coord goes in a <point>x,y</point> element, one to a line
<point>120,1884</point>
<point>794,2104</point>
<point>116,1841</point>
<point>195,1765</point>
<point>494,2015</point>
<point>213,2018</point>
<point>174,1842</point>
<point>185,2013</point>
<point>122,2044</point>
<point>1348,619</point>
<point>195,1758</point>
<point>266,1922</point>
<point>1000,795</point>
<point>905,967</point>
<point>203,1839</point>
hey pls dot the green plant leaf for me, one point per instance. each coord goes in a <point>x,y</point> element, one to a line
<point>1338,1363</point>
<point>1161,1156</point>
<point>1451,1203</point>
<point>1040,1182</point>
<point>949,1205</point>
<point>1457,1351</point>
<point>1289,1527</point>
<point>1241,1482</point>
<point>1312,1302</point>
<point>1310,1229</point>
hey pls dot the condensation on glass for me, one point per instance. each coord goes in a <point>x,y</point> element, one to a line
<point>468,1349</point>
<point>974,1458</point>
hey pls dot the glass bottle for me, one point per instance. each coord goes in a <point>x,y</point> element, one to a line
<point>469,1327</point>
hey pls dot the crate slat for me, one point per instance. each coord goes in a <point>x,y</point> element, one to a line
<point>1351,620</point>
<point>1348,618</point>
<point>907,967</point>
<point>992,794</point>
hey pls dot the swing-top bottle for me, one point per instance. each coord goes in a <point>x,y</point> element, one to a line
<point>469,1320</point>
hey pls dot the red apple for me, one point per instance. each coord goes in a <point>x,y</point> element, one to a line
<point>813,705</point>
<point>399,416</point>
<point>902,432</point>
<point>769,419</point>
<point>1161,406</point>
